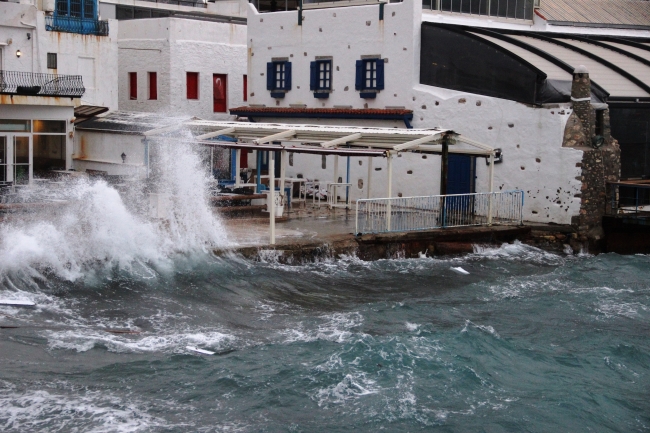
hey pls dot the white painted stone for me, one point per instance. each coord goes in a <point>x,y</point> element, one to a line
<point>172,47</point>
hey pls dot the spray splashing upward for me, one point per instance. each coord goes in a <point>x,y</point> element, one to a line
<point>99,227</point>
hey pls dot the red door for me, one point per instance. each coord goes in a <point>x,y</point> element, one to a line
<point>219,84</point>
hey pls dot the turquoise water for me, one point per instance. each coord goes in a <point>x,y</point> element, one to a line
<point>529,341</point>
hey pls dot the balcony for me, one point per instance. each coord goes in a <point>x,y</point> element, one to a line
<point>83,26</point>
<point>31,84</point>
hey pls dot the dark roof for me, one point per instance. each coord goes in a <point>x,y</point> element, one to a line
<point>619,67</point>
<point>597,13</point>
<point>127,122</point>
<point>84,112</point>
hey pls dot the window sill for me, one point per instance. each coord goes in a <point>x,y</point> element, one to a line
<point>368,95</point>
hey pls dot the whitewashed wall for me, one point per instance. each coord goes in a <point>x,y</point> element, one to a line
<point>92,57</point>
<point>102,151</point>
<point>172,47</point>
<point>346,34</point>
<point>531,137</point>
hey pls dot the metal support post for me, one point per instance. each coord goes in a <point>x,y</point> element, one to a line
<point>369,176</point>
<point>283,172</point>
<point>271,199</point>
<point>390,191</point>
<point>237,168</point>
<point>347,189</point>
<point>491,199</point>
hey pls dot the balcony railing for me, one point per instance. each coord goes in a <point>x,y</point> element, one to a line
<point>84,26</point>
<point>31,84</point>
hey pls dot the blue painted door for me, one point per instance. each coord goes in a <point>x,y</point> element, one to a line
<point>460,180</point>
<point>461,171</point>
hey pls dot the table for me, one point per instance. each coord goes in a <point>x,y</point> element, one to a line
<point>332,189</point>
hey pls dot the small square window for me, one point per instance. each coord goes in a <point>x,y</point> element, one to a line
<point>278,77</point>
<point>323,75</point>
<point>51,61</point>
<point>370,74</point>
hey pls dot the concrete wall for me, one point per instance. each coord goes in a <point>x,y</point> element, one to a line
<point>92,57</point>
<point>531,137</point>
<point>345,34</point>
<point>102,151</point>
<point>172,47</point>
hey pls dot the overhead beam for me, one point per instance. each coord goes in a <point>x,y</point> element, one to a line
<point>279,135</point>
<point>474,143</point>
<point>225,131</point>
<point>416,142</point>
<point>341,140</point>
<point>162,130</point>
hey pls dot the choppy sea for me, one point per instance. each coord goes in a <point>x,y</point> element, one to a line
<point>528,341</point>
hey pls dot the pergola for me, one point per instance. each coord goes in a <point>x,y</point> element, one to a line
<point>345,141</point>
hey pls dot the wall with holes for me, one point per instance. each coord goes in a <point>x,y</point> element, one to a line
<point>531,137</point>
<point>345,35</point>
<point>172,47</point>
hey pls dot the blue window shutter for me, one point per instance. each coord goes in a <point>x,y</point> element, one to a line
<point>358,83</point>
<point>380,74</point>
<point>287,75</point>
<point>313,75</point>
<point>270,76</point>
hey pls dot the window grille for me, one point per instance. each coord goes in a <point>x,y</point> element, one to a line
<point>370,74</point>
<point>51,61</point>
<point>279,75</point>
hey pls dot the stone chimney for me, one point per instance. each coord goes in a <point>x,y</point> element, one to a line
<point>581,98</point>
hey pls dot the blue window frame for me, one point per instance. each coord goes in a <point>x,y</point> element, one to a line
<point>369,77</point>
<point>320,75</point>
<point>77,8</point>
<point>278,77</point>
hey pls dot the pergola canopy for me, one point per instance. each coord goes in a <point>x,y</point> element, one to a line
<point>325,139</point>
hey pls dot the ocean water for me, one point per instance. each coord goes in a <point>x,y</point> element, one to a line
<point>529,341</point>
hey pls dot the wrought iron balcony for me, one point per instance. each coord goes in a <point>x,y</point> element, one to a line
<point>83,26</point>
<point>30,84</point>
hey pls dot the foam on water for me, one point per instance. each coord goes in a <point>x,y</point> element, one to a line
<point>98,228</point>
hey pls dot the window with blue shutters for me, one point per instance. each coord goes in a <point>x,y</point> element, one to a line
<point>278,78</point>
<point>320,81</point>
<point>369,77</point>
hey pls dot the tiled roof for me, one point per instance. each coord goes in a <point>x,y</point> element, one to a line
<point>321,111</point>
<point>601,13</point>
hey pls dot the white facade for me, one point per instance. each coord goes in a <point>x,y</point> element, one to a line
<point>531,137</point>
<point>24,47</point>
<point>171,47</point>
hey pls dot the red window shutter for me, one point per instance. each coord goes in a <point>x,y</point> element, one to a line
<point>133,85</point>
<point>153,85</point>
<point>192,85</point>
<point>245,88</point>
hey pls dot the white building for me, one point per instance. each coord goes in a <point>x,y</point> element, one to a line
<point>182,66</point>
<point>56,66</point>
<point>500,80</point>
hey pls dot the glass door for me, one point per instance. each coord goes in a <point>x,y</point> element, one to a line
<point>3,160</point>
<point>22,159</point>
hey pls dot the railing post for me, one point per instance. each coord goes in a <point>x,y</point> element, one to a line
<point>390,191</point>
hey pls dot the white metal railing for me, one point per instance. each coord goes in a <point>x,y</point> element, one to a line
<point>401,214</point>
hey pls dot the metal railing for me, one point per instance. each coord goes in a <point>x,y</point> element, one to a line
<point>629,199</point>
<point>28,83</point>
<point>382,215</point>
<point>84,26</point>
<point>519,9</point>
